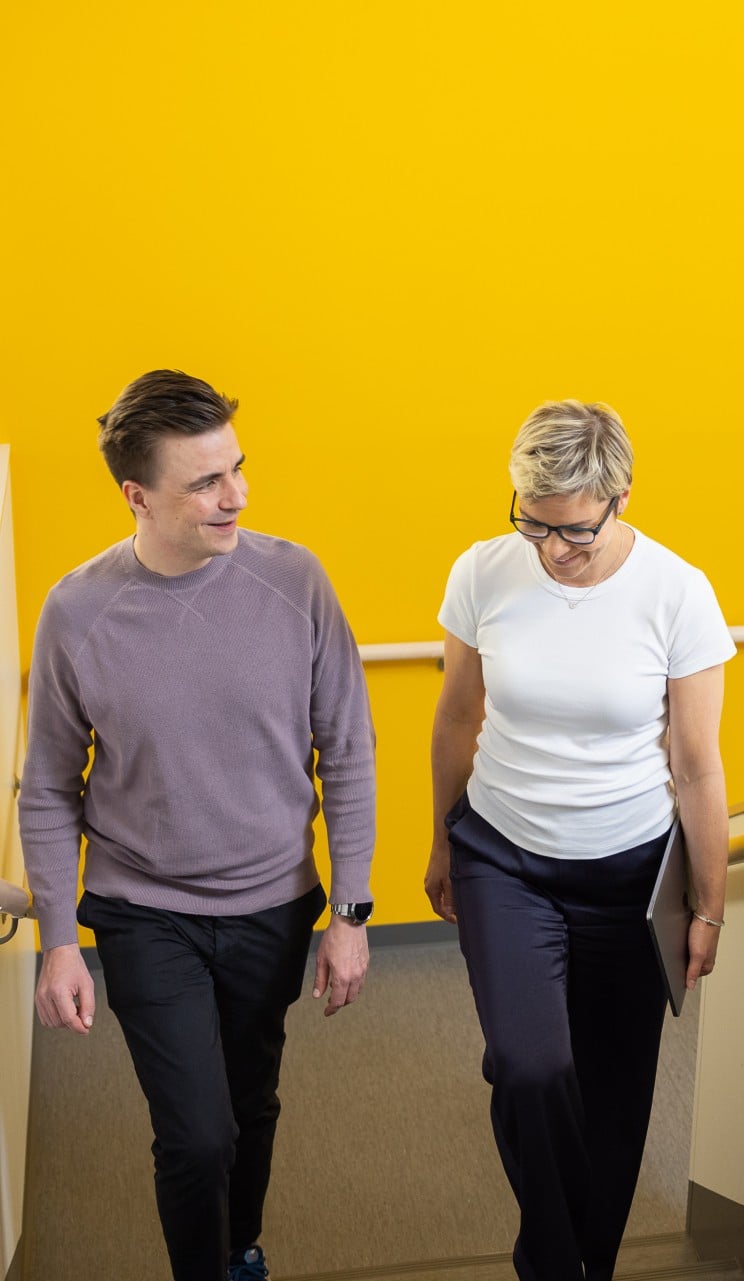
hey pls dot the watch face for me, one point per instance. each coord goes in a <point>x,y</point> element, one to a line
<point>362,912</point>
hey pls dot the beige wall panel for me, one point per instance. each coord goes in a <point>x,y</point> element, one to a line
<point>717,1156</point>
<point>17,958</point>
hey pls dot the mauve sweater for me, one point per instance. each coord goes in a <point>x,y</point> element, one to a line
<point>208,694</point>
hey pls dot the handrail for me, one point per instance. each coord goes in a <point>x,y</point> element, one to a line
<point>16,903</point>
<point>736,841</point>
<point>397,651</point>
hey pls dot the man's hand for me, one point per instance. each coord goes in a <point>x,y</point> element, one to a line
<point>341,963</point>
<point>65,996</point>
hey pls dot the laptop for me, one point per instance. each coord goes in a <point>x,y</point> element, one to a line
<point>668,917</point>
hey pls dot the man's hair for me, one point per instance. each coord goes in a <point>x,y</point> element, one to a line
<point>162,403</point>
<point>566,447</point>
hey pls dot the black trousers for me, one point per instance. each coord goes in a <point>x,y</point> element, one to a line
<point>571,1004</point>
<point>202,1002</point>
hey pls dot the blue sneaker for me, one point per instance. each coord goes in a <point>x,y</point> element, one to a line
<point>252,1267</point>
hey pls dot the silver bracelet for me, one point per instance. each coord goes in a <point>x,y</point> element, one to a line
<point>707,920</point>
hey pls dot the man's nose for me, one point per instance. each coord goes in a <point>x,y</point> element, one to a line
<point>235,495</point>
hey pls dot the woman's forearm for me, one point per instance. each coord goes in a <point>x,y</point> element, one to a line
<point>452,751</point>
<point>704,818</point>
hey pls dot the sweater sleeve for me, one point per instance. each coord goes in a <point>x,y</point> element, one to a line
<point>51,799</point>
<point>343,737</point>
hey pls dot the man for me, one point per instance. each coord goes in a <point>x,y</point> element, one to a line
<point>210,664</point>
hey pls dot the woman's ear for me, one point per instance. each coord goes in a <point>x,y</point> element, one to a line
<point>622,500</point>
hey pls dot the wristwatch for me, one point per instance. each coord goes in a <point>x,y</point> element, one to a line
<point>357,913</point>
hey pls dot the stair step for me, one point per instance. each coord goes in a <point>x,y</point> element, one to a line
<point>711,1270</point>
<point>667,1257</point>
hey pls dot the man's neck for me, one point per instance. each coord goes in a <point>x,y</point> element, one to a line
<point>157,560</point>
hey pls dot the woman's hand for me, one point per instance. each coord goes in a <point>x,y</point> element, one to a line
<point>702,943</point>
<point>438,885</point>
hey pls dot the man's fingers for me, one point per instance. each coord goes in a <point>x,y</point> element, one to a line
<point>65,994</point>
<point>85,1009</point>
<point>341,963</point>
<point>59,1010</point>
<point>342,994</point>
<point>72,1015</point>
<point>321,978</point>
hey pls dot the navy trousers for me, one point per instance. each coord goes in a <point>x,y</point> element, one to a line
<point>571,1004</point>
<point>202,1001</point>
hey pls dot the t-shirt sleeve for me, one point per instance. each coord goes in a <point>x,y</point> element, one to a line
<point>458,612</point>
<point>699,637</point>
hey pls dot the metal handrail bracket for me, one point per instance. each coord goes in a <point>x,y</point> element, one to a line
<point>16,903</point>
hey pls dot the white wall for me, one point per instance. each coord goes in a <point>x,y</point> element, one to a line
<point>17,958</point>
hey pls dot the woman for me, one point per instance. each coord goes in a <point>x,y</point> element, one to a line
<point>599,656</point>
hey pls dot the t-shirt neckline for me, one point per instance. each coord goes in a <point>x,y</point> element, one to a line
<point>574,595</point>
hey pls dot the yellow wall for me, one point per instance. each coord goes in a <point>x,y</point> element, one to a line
<point>391,228</point>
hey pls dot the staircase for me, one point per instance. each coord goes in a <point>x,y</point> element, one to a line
<point>666,1258</point>
<point>669,1257</point>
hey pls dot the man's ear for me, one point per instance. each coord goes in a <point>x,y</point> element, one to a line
<point>135,496</point>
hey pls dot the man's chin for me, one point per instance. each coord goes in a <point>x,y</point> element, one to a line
<point>222,544</point>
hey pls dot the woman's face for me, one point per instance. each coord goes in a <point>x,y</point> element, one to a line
<point>568,562</point>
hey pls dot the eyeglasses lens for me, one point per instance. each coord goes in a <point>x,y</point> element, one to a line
<point>530,529</point>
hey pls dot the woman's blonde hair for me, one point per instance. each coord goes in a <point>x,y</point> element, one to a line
<point>566,447</point>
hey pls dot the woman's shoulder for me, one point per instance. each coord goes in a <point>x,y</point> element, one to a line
<point>657,557</point>
<point>490,553</point>
<point>485,569</point>
<point>672,588</point>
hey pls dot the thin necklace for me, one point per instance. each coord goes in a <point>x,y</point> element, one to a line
<point>573,603</point>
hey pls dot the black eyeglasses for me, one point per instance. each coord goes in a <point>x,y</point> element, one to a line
<point>537,530</point>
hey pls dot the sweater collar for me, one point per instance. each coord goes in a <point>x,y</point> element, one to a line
<point>172,582</point>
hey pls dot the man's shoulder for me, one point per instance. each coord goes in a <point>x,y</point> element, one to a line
<point>269,547</point>
<point>105,565</point>
<point>95,579</point>
<point>287,570</point>
<point>275,560</point>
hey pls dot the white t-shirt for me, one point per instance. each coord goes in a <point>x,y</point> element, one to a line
<point>572,759</point>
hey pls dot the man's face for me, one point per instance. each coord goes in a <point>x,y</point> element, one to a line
<point>190,513</point>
